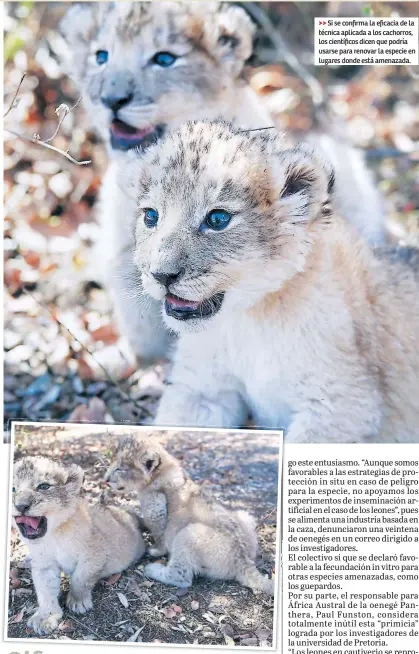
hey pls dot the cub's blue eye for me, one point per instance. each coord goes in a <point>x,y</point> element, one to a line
<point>217,220</point>
<point>13,490</point>
<point>101,57</point>
<point>151,217</point>
<point>164,59</point>
<point>43,487</point>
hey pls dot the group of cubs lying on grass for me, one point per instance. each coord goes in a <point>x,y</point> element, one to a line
<point>255,252</point>
<point>90,542</point>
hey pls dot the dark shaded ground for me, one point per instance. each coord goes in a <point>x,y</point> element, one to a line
<point>51,327</point>
<point>241,470</point>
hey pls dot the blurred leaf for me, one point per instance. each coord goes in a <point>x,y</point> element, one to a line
<point>168,612</point>
<point>113,578</point>
<point>176,608</point>
<point>181,592</point>
<point>107,334</point>
<point>95,411</point>
<point>18,617</point>
<point>12,44</point>
<point>133,638</point>
<point>123,600</point>
<point>40,385</point>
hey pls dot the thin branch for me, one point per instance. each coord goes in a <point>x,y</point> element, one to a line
<point>261,17</point>
<point>109,377</point>
<point>66,110</point>
<point>37,140</point>
<point>46,145</point>
<point>256,129</point>
<point>85,626</point>
<point>12,104</point>
<point>265,517</point>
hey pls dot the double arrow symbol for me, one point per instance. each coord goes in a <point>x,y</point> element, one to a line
<point>322,22</point>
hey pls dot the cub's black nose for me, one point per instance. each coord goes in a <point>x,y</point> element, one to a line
<point>115,102</point>
<point>168,278</point>
<point>22,508</point>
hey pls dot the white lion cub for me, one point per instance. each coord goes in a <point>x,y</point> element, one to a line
<point>65,533</point>
<point>282,310</point>
<point>202,536</point>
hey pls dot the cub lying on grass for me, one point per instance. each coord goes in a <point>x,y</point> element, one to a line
<point>201,536</point>
<point>282,309</point>
<point>65,533</point>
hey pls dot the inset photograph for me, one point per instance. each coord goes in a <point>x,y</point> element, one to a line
<point>140,534</point>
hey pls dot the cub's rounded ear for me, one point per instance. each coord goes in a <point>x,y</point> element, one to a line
<point>321,163</point>
<point>75,478</point>
<point>152,462</point>
<point>304,183</point>
<point>78,28</point>
<point>230,37</point>
<point>78,24</point>
<point>132,12</point>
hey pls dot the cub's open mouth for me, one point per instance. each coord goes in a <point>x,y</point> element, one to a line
<point>31,527</point>
<point>114,485</point>
<point>125,137</point>
<point>181,309</point>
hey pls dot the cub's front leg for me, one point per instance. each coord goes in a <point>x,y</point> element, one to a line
<point>138,317</point>
<point>86,574</point>
<point>185,406</point>
<point>154,510</point>
<point>201,393</point>
<point>46,579</point>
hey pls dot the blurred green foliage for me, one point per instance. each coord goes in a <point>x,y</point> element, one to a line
<point>13,41</point>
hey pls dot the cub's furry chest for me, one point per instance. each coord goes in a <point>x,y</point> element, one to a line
<point>66,544</point>
<point>267,383</point>
<point>274,358</point>
<point>66,559</point>
<point>269,360</point>
<point>58,551</point>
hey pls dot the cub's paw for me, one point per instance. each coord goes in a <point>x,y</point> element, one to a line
<point>156,551</point>
<point>165,575</point>
<point>79,604</point>
<point>44,624</point>
<point>155,571</point>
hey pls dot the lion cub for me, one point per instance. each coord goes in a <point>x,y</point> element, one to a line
<point>201,536</point>
<point>65,533</point>
<point>282,310</point>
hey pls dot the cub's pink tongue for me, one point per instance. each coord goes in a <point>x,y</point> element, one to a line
<point>121,129</point>
<point>28,520</point>
<point>178,302</point>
